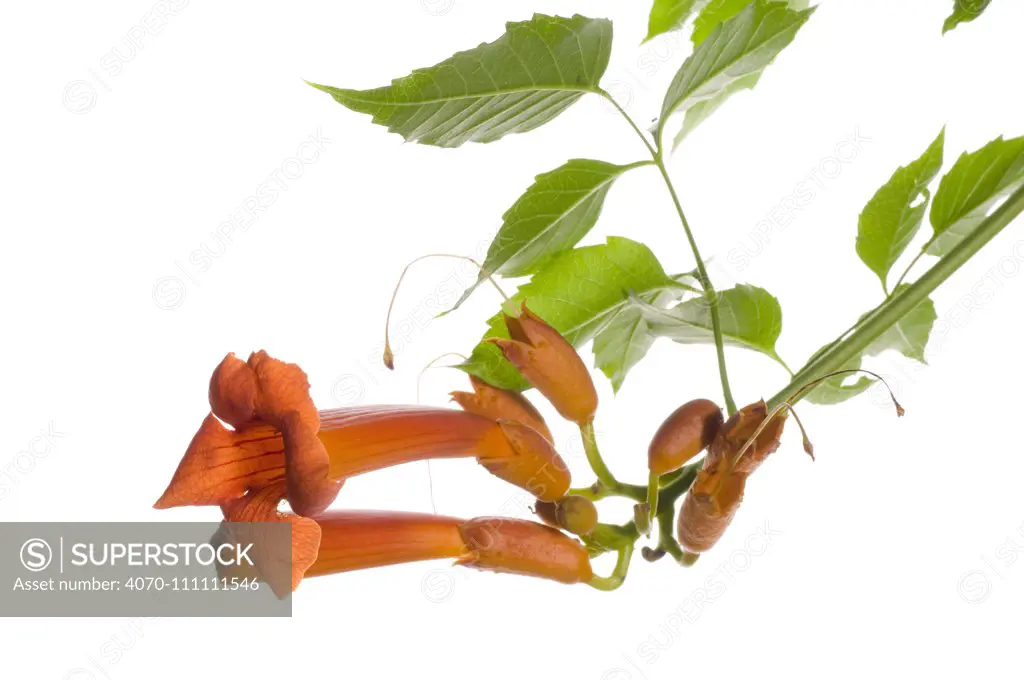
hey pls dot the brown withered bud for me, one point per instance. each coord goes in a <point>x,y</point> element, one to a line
<point>708,509</point>
<point>514,546</point>
<point>717,492</point>
<point>551,365</point>
<point>498,404</point>
<point>689,430</point>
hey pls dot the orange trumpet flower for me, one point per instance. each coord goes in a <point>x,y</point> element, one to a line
<point>717,492</point>
<point>280,440</point>
<point>282,448</point>
<point>551,365</point>
<point>364,539</point>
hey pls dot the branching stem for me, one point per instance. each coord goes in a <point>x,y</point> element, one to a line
<point>702,275</point>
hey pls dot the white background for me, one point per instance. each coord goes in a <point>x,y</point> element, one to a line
<point>886,557</point>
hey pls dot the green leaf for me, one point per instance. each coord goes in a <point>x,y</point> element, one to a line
<point>908,336</point>
<point>703,110</point>
<point>751,318</point>
<point>627,338</point>
<point>971,188</point>
<point>487,362</point>
<point>720,11</point>
<point>892,217</point>
<point>579,294</point>
<point>736,49</point>
<point>558,210</point>
<point>669,15</point>
<point>839,388</point>
<point>712,15</point>
<point>964,11</point>
<point>525,78</point>
<point>622,344</point>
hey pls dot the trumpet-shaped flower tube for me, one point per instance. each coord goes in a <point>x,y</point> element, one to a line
<point>717,492</point>
<point>551,365</point>
<point>364,539</point>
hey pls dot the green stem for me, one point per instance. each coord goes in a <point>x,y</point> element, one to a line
<point>599,491</point>
<point>618,576</point>
<point>667,543</point>
<point>709,290</point>
<point>910,266</point>
<point>702,275</point>
<point>653,487</point>
<point>606,485</point>
<point>597,464</point>
<point>671,493</point>
<point>895,308</point>
<point>632,123</point>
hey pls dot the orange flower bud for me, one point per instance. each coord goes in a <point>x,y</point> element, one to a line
<point>717,491</point>
<point>520,547</point>
<point>551,365</point>
<point>498,404</point>
<point>575,514</point>
<point>528,460</point>
<point>689,430</point>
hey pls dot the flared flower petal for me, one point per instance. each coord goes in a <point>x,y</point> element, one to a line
<point>283,575</point>
<point>267,402</point>
<point>307,466</point>
<point>498,404</point>
<point>221,464</point>
<point>263,388</point>
<point>551,365</point>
